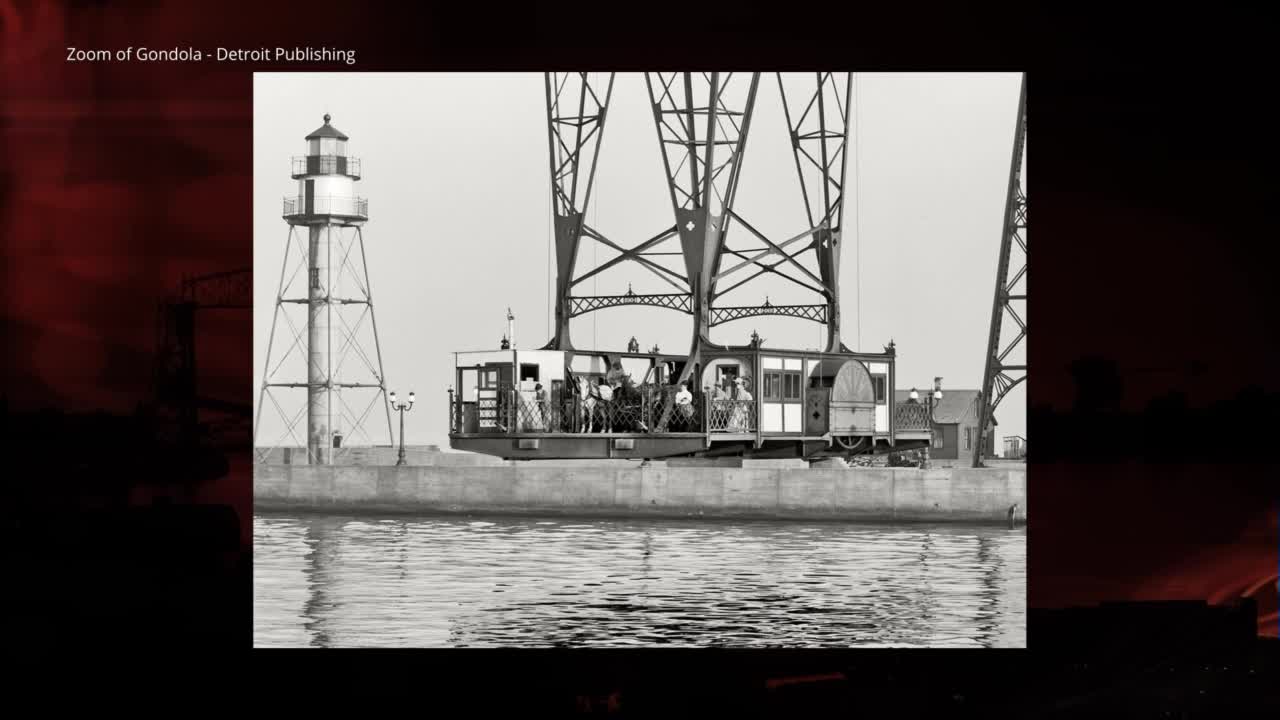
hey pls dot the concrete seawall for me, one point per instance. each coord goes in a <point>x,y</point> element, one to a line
<point>377,455</point>
<point>966,495</point>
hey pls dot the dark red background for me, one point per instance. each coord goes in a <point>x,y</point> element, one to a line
<point>1151,247</point>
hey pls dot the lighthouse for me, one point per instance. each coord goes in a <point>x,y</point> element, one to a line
<point>326,217</point>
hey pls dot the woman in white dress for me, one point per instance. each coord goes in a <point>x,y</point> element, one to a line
<point>741,406</point>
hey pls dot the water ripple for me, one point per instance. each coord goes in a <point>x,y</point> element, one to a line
<point>447,582</point>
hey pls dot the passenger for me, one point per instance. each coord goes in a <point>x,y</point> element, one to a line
<point>721,404</point>
<point>741,407</point>
<point>615,375</point>
<point>684,403</point>
<point>540,400</point>
<point>605,408</point>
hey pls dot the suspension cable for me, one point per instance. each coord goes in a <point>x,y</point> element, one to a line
<point>550,223</point>
<point>595,248</point>
<point>857,231</point>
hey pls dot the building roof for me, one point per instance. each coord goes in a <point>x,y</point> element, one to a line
<point>956,406</point>
<point>326,131</point>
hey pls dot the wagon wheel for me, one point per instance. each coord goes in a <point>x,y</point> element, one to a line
<point>843,442</point>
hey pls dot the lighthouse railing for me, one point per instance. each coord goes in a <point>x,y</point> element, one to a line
<point>326,165</point>
<point>326,205</point>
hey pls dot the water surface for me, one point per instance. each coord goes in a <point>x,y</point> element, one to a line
<point>379,581</point>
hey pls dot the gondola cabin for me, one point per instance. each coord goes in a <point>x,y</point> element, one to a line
<point>746,401</point>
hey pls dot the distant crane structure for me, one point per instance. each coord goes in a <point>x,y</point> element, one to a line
<point>1002,373</point>
<point>176,367</point>
<point>703,121</point>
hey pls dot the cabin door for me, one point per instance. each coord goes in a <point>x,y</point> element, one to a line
<point>817,401</point>
<point>492,403</point>
<point>506,393</point>
<point>487,397</point>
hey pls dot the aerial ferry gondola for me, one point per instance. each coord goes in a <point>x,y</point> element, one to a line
<point>748,400</point>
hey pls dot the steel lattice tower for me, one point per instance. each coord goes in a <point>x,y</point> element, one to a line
<point>702,121</point>
<point>1003,373</point>
<point>343,379</point>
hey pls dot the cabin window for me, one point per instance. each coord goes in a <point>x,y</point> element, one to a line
<point>937,438</point>
<point>773,386</point>
<point>822,381</point>
<point>529,372</point>
<point>791,385</point>
<point>968,438</point>
<point>488,379</point>
<point>878,383</point>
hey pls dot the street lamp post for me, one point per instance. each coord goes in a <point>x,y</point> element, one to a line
<point>401,408</point>
<point>934,397</point>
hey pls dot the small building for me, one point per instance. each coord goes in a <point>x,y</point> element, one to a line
<point>956,427</point>
<point>1015,447</point>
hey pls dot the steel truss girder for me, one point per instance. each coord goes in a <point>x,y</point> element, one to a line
<point>818,126</point>
<point>349,267</point>
<point>581,305</point>
<point>702,122</point>
<point>576,112</point>
<point>997,382</point>
<point>636,255</point>
<point>816,313</point>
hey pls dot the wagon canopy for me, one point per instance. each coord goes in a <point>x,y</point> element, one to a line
<point>849,380</point>
<point>852,384</point>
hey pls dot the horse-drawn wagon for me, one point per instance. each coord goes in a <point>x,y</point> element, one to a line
<point>750,401</point>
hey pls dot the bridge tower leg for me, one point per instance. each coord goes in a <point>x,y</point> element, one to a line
<point>1002,373</point>
<point>703,120</point>
<point>576,112</point>
<point>819,128</point>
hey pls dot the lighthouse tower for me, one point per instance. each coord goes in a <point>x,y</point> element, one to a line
<point>333,351</point>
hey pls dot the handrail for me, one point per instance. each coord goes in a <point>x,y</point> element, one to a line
<point>731,416</point>
<point>326,165</point>
<point>327,205</point>
<point>909,416</point>
<point>636,411</point>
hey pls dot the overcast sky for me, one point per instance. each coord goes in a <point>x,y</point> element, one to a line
<point>456,172</point>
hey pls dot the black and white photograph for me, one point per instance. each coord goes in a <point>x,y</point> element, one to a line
<point>659,359</point>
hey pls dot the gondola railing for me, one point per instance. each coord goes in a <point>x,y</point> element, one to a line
<point>731,416</point>
<point>911,417</point>
<point>633,410</point>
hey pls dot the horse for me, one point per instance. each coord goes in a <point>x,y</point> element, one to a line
<point>591,398</point>
<point>629,398</point>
